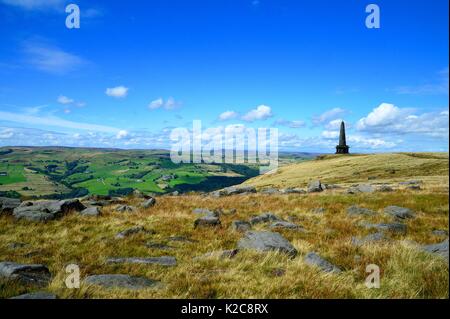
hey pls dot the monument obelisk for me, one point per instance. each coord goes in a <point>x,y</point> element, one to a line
<point>342,148</point>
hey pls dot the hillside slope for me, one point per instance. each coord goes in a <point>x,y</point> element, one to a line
<point>338,169</point>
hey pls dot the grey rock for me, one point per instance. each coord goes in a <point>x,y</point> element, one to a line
<point>397,228</point>
<point>266,241</point>
<point>440,249</point>
<point>46,210</point>
<point>285,225</point>
<point>35,275</point>
<point>133,231</point>
<point>208,221</point>
<point>270,191</point>
<point>414,187</point>
<point>91,211</point>
<point>148,203</point>
<point>162,261</point>
<point>361,188</point>
<point>125,209</point>
<point>439,233</point>
<point>314,259</point>
<point>37,295</point>
<point>234,190</point>
<point>359,211</point>
<point>399,212</point>
<point>369,239</point>
<point>7,205</point>
<point>315,187</point>
<point>121,281</point>
<point>205,211</point>
<point>241,226</point>
<point>411,182</point>
<point>264,218</point>
<point>139,194</point>
<point>385,189</point>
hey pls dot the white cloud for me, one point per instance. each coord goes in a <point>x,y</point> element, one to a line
<point>117,92</point>
<point>64,100</point>
<point>290,124</point>
<point>373,143</point>
<point>390,119</point>
<point>328,116</point>
<point>35,4</point>
<point>439,86</point>
<point>169,104</point>
<point>228,115</point>
<point>6,134</point>
<point>51,59</point>
<point>335,125</point>
<point>330,134</point>
<point>122,134</point>
<point>262,112</point>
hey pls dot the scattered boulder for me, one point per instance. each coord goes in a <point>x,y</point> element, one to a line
<point>264,218</point>
<point>414,187</point>
<point>40,295</point>
<point>440,249</point>
<point>234,190</point>
<point>205,211</point>
<point>139,194</point>
<point>397,228</point>
<point>222,254</point>
<point>133,231</point>
<point>162,261</point>
<point>7,205</point>
<point>266,241</point>
<point>207,221</point>
<point>121,281</point>
<point>47,210</point>
<point>34,275</point>
<point>442,233</point>
<point>369,239</point>
<point>270,191</point>
<point>241,226</point>
<point>125,209</point>
<point>148,203</point>
<point>385,189</point>
<point>411,182</point>
<point>361,188</point>
<point>314,259</point>
<point>285,225</point>
<point>315,187</point>
<point>359,211</point>
<point>91,211</point>
<point>399,212</point>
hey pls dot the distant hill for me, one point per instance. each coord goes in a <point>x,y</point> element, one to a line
<point>345,169</point>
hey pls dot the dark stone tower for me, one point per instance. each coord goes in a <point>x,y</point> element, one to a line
<point>342,148</point>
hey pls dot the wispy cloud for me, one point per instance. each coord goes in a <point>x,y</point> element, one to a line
<point>439,87</point>
<point>50,59</point>
<point>228,115</point>
<point>53,121</point>
<point>328,116</point>
<point>290,124</point>
<point>35,4</point>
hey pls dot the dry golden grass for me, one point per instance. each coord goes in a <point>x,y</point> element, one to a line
<point>406,272</point>
<point>432,168</point>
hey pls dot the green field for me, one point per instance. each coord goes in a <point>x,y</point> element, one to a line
<point>58,171</point>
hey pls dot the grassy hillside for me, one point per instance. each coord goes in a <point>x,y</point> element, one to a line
<point>346,169</point>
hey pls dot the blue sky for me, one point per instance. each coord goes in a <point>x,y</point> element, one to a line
<point>137,69</point>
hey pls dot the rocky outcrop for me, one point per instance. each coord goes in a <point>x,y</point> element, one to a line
<point>133,231</point>
<point>234,190</point>
<point>285,225</point>
<point>361,188</point>
<point>315,187</point>
<point>149,203</point>
<point>47,210</point>
<point>399,212</point>
<point>359,211</point>
<point>7,205</point>
<point>313,259</point>
<point>369,239</point>
<point>91,212</point>
<point>440,249</point>
<point>266,241</point>
<point>207,221</point>
<point>125,209</point>
<point>240,226</point>
<point>34,275</point>
<point>264,218</point>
